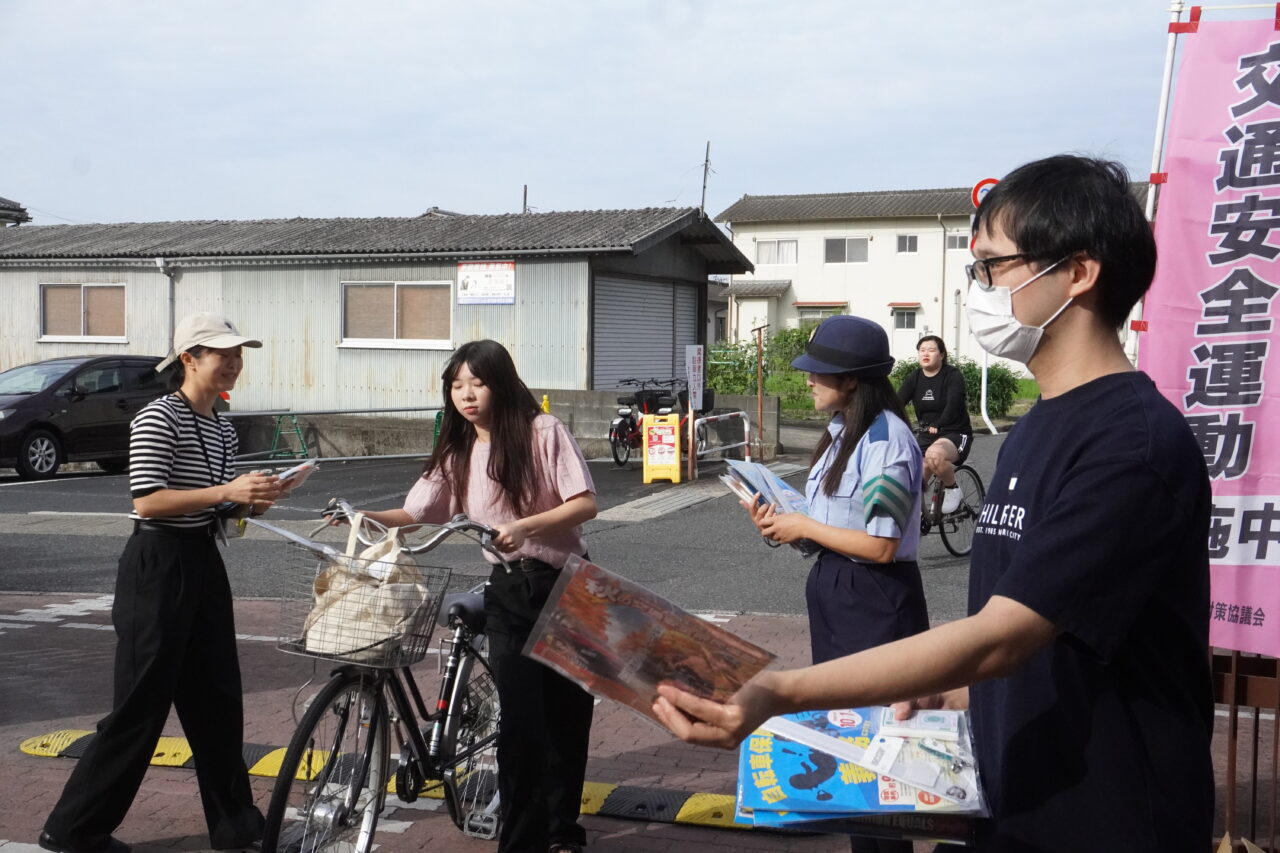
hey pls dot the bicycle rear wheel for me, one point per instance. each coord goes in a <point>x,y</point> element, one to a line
<point>469,751</point>
<point>620,442</point>
<point>957,527</point>
<point>333,778</point>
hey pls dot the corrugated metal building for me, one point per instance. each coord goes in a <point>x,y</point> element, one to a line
<point>363,313</point>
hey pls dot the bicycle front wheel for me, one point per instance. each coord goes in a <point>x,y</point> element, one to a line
<point>469,751</point>
<point>957,527</point>
<point>333,778</point>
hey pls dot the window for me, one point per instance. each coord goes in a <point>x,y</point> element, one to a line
<point>904,319</point>
<point>957,241</point>
<point>81,311</point>
<point>143,379</point>
<point>847,250</point>
<point>907,243</point>
<point>397,313</point>
<point>775,251</point>
<point>102,379</point>
<point>812,316</point>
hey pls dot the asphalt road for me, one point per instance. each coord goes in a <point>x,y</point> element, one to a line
<point>705,556</point>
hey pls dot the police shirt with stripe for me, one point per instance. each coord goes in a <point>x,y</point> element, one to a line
<point>879,492</point>
<point>172,447</point>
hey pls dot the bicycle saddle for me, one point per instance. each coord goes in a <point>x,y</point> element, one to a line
<point>629,400</point>
<point>469,607</point>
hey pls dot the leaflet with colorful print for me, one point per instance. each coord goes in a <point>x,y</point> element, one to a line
<point>838,762</point>
<point>619,640</point>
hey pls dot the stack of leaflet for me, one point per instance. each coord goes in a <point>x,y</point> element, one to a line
<point>749,479</point>
<point>859,770</point>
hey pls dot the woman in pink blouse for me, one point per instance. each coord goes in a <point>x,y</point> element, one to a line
<point>504,463</point>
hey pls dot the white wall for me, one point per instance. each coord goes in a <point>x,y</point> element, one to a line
<point>868,288</point>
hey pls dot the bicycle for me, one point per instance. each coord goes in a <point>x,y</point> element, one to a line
<point>337,770</point>
<point>624,430</point>
<point>955,527</point>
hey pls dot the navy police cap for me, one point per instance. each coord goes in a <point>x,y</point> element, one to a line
<point>844,344</point>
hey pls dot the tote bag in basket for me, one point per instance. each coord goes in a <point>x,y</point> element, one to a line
<point>365,602</point>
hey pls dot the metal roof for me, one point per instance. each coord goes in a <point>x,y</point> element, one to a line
<point>575,232</point>
<point>949,201</point>
<point>863,205</point>
<point>758,288</point>
<point>11,211</point>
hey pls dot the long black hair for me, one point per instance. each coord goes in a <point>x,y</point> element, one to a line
<point>511,462</point>
<point>870,397</point>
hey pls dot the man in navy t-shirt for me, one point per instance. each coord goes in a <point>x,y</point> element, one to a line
<point>1084,660</point>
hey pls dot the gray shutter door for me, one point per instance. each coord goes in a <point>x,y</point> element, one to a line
<point>686,325</point>
<point>633,336</point>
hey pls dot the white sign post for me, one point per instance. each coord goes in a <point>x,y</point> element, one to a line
<point>693,371</point>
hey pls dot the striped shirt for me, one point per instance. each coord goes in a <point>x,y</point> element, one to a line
<point>171,447</point>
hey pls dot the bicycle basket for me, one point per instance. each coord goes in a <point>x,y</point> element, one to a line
<point>359,611</point>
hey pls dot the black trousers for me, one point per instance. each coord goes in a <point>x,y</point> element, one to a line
<point>854,606</point>
<point>545,726</point>
<point>175,647</point>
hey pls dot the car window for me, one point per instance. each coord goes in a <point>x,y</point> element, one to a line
<point>102,379</point>
<point>143,379</point>
<point>32,378</point>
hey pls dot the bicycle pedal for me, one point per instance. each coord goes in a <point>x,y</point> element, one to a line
<point>480,825</point>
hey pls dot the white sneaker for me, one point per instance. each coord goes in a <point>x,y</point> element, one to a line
<point>950,499</point>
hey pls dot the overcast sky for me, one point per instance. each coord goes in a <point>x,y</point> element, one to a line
<point>245,109</point>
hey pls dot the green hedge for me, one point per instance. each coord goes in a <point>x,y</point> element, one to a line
<point>731,369</point>
<point>1002,383</point>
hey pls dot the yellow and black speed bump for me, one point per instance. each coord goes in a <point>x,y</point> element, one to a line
<point>630,802</point>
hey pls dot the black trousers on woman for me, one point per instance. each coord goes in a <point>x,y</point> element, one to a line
<point>854,606</point>
<point>175,647</point>
<point>545,727</point>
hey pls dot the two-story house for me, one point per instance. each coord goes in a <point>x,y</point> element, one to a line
<point>896,257</point>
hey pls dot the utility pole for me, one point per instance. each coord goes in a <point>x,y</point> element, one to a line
<point>706,168</point>
<point>759,333</point>
<point>524,207</point>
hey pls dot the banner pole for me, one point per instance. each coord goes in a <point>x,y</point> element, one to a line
<point>1157,154</point>
<point>1166,84</point>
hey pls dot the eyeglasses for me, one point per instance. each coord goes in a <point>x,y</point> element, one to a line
<point>979,272</point>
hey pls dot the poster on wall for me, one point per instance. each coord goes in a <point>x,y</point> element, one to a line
<point>1210,315</point>
<point>487,283</point>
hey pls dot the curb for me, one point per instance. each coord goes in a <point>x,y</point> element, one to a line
<point>603,799</point>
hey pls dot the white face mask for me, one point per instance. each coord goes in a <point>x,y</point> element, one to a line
<point>993,323</point>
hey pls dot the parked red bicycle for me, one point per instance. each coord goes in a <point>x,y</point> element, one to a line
<point>651,397</point>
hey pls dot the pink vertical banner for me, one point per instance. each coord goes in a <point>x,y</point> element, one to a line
<point>1211,313</point>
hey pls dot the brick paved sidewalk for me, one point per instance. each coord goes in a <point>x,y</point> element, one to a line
<point>57,675</point>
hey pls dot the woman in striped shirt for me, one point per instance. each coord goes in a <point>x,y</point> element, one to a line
<point>172,613</point>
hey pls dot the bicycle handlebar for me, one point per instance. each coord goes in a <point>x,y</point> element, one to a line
<point>342,509</point>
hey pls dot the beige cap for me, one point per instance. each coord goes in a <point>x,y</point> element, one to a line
<point>205,330</point>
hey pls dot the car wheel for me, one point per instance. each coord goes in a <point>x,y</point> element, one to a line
<point>114,466</point>
<point>39,456</point>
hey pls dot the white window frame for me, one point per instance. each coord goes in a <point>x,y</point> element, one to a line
<point>960,237</point>
<point>865,238</point>
<point>345,342</point>
<point>913,244</point>
<point>818,313</point>
<point>81,338</point>
<point>914,312</point>
<point>776,240</point>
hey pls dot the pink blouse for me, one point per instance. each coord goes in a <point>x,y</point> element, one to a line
<point>562,473</point>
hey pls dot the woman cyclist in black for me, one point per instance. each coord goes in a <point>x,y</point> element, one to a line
<point>936,392</point>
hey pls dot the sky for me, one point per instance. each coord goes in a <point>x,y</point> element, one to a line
<point>134,111</point>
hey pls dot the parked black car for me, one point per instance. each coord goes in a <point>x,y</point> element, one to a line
<point>73,409</point>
